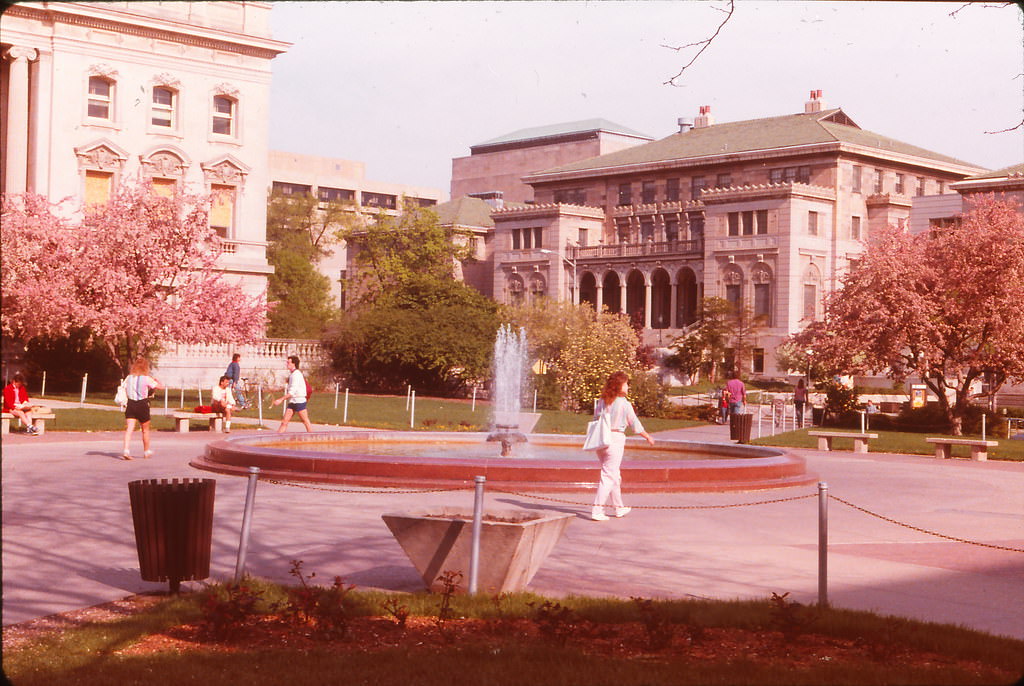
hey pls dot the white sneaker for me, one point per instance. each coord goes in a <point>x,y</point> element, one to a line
<point>599,516</point>
<point>622,511</point>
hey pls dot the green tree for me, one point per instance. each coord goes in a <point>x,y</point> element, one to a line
<point>605,344</point>
<point>300,233</point>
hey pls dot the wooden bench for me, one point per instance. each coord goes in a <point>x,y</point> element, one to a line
<point>825,438</point>
<point>979,448</point>
<point>181,420</point>
<point>39,419</point>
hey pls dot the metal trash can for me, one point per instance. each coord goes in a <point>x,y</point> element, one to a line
<point>739,427</point>
<point>173,528</point>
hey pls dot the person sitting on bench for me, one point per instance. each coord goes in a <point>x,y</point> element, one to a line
<point>223,401</point>
<point>16,402</point>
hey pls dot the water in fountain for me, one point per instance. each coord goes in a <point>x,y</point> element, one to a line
<point>511,363</point>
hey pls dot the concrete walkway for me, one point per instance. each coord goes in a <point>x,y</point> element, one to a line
<point>68,540</point>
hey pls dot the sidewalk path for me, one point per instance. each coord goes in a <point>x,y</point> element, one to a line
<point>68,540</point>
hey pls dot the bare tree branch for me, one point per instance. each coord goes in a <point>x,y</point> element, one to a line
<point>1012,128</point>
<point>985,4</point>
<point>703,44</point>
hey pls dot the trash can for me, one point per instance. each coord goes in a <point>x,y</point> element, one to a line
<point>817,415</point>
<point>739,427</point>
<point>173,528</point>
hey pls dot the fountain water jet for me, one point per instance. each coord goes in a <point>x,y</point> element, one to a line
<point>509,423</point>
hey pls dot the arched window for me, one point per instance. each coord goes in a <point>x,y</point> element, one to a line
<point>762,279</point>
<point>732,283</point>
<point>812,292</point>
<point>516,289</point>
<point>538,287</point>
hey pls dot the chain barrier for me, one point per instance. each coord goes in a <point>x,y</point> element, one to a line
<point>654,507</point>
<point>578,503</point>
<point>925,531</point>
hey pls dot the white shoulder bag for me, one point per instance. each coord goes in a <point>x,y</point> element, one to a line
<point>121,397</point>
<point>599,432</point>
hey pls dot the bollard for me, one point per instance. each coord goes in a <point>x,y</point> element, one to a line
<point>862,416</point>
<point>412,409</point>
<point>822,544</point>
<point>42,391</point>
<point>85,382</point>
<point>165,399</point>
<point>535,401</point>
<point>474,399</point>
<point>478,525</point>
<point>243,542</point>
<point>983,417</point>
<point>408,396</point>
<point>344,419</point>
<point>181,403</point>
<point>259,392</point>
<point>200,389</point>
<point>760,411</point>
<point>337,386</point>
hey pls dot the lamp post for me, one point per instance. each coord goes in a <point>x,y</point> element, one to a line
<point>572,264</point>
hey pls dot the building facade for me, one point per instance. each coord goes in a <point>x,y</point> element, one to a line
<point>937,211</point>
<point>501,163</point>
<point>342,181</point>
<point>766,213</point>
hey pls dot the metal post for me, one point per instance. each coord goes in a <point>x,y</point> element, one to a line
<point>337,387</point>
<point>478,525</point>
<point>474,399</point>
<point>983,418</point>
<point>42,391</point>
<point>412,409</point>
<point>181,403</point>
<point>165,399</point>
<point>344,419</point>
<point>862,416</point>
<point>200,390</point>
<point>259,391</point>
<point>243,542</point>
<point>85,382</point>
<point>760,411</point>
<point>408,397</point>
<point>535,401</point>
<point>822,544</point>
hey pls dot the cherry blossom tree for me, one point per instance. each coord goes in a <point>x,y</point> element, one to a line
<point>944,306</point>
<point>139,271</point>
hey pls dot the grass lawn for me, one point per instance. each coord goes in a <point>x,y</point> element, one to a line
<point>268,635</point>
<point>894,442</point>
<point>371,411</point>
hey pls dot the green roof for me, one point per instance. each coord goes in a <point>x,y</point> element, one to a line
<point>999,173</point>
<point>465,211</point>
<point>563,129</point>
<point>751,135</point>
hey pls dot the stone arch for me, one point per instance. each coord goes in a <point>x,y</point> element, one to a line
<point>516,289</point>
<point>661,299</point>
<point>588,289</point>
<point>764,292</point>
<point>538,286</point>
<point>611,288</point>
<point>732,285</point>
<point>686,297</point>
<point>811,292</point>
<point>165,162</point>
<point>636,296</point>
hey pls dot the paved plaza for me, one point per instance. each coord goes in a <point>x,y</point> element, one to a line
<point>68,541</point>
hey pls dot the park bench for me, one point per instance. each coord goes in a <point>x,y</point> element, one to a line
<point>825,438</point>
<point>181,420</point>
<point>39,419</point>
<point>979,448</point>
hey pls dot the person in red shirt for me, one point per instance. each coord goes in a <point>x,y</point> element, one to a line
<point>16,402</point>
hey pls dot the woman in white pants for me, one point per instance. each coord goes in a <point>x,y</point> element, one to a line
<point>622,415</point>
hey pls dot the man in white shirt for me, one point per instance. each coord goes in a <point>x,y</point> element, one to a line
<point>223,401</point>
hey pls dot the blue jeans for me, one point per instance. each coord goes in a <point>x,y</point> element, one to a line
<point>735,408</point>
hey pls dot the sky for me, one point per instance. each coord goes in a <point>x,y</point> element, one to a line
<point>406,86</point>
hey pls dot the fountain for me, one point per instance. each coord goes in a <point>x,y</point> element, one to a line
<point>511,363</point>
<point>417,459</point>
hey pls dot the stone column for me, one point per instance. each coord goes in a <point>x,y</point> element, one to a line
<point>673,321</point>
<point>600,294</point>
<point>16,164</point>
<point>647,303</point>
<point>623,304</point>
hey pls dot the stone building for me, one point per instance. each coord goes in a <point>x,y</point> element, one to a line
<point>935,211</point>
<point>501,163</point>
<point>766,213</point>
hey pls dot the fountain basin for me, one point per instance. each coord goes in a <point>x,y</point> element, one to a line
<point>434,461</point>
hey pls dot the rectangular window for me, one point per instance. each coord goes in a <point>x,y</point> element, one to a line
<point>732,294</point>
<point>222,211</point>
<point>98,186</point>
<point>734,223</point>
<point>762,222</point>
<point>855,228</point>
<point>790,174</point>
<point>422,202</point>
<point>647,192</point>
<point>282,188</point>
<point>101,98</point>
<point>899,184</point>
<point>878,181</point>
<point>581,239</point>
<point>810,300</point>
<point>538,232</point>
<point>223,115</point>
<point>527,239</point>
<point>385,200</point>
<point>857,172</point>
<point>164,101</point>
<point>758,360</point>
<point>696,228</point>
<point>625,194</point>
<point>748,223</point>
<point>571,196</point>
<point>723,180</point>
<point>696,186</point>
<point>672,190</point>
<point>647,230</point>
<point>623,230</point>
<point>671,230</point>
<point>812,223</point>
<point>326,194</point>
<point>942,187</point>
<point>920,185</point>
<point>516,243</point>
<point>775,176</point>
<point>163,187</point>
<point>762,301</point>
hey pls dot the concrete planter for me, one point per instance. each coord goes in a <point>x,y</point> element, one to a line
<point>513,545</point>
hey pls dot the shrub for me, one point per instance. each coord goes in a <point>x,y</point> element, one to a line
<point>648,395</point>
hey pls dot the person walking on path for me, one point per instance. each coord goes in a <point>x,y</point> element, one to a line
<point>234,372</point>
<point>295,395</point>
<point>138,387</point>
<point>737,393</point>
<point>621,414</point>
<point>222,401</point>
<point>723,405</point>
<point>800,400</point>
<point>16,402</point>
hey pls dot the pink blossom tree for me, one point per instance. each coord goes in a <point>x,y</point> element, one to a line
<point>139,271</point>
<point>944,306</point>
